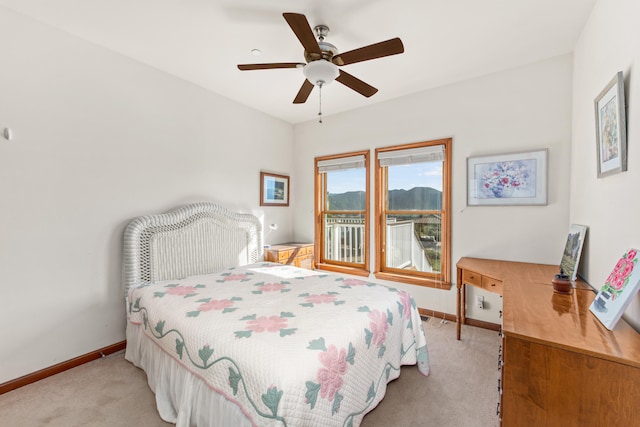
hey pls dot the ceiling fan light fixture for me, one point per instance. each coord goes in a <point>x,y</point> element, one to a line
<point>321,72</point>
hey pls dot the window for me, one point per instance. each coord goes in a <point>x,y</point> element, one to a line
<point>342,212</point>
<point>412,213</point>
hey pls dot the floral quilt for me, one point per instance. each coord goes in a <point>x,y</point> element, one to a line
<point>290,347</point>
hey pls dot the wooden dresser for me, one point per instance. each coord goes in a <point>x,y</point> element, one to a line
<point>560,366</point>
<point>298,254</point>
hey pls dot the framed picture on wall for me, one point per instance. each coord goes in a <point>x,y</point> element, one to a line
<point>611,128</point>
<point>274,189</point>
<point>507,179</point>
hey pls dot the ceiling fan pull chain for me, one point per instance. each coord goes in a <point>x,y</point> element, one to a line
<point>320,99</point>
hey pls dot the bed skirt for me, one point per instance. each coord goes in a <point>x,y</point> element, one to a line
<point>181,397</point>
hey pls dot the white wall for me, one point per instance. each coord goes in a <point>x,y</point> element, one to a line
<point>100,139</point>
<point>610,42</point>
<point>522,109</point>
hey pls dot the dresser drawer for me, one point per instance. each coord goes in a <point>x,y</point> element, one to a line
<point>492,285</point>
<point>298,254</point>
<point>304,250</point>
<point>278,254</point>
<point>471,278</point>
<point>284,255</point>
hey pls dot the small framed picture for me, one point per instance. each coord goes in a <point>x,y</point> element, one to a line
<point>572,251</point>
<point>618,290</point>
<point>611,129</point>
<point>274,189</point>
<point>507,179</point>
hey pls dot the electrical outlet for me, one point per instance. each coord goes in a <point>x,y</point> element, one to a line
<point>480,301</point>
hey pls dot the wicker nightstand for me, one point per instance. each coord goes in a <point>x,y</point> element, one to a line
<point>298,254</point>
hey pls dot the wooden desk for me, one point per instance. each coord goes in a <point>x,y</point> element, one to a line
<point>490,275</point>
<point>560,365</point>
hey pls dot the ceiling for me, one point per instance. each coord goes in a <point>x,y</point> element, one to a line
<point>202,41</point>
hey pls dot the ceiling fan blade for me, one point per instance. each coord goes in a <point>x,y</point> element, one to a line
<point>373,51</point>
<point>246,67</point>
<point>356,84</point>
<point>302,30</point>
<point>304,92</point>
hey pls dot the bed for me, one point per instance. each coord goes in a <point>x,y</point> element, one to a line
<point>229,340</point>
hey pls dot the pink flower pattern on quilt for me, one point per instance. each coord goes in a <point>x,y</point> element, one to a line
<point>234,277</point>
<point>271,287</point>
<point>321,299</point>
<point>269,324</point>
<point>181,290</point>
<point>353,282</point>
<point>405,300</point>
<point>379,327</point>
<point>216,305</point>
<point>334,366</point>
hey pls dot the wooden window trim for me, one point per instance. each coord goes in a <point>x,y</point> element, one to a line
<point>337,266</point>
<point>413,280</point>
<point>355,271</point>
<point>443,280</point>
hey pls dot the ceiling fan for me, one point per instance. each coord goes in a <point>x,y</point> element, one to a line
<point>323,59</point>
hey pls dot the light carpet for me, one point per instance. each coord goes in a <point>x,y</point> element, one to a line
<point>460,392</point>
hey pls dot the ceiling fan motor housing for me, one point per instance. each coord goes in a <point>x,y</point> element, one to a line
<point>319,69</point>
<point>328,51</point>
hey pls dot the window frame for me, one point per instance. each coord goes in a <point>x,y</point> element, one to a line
<point>319,211</point>
<point>443,279</point>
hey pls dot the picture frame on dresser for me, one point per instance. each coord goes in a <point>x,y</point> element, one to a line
<point>274,189</point>
<point>620,287</point>
<point>507,179</point>
<point>611,129</point>
<point>572,250</point>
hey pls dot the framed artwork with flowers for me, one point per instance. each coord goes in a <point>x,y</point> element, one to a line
<point>611,129</point>
<point>507,179</point>
<point>618,290</point>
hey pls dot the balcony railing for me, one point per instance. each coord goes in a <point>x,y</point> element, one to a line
<point>404,249</point>
<point>344,241</point>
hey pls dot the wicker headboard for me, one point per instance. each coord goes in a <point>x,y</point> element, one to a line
<point>199,238</point>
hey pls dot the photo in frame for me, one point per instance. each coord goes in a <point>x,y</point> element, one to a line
<point>611,129</point>
<point>507,179</point>
<point>274,189</point>
<point>572,251</point>
<point>618,290</point>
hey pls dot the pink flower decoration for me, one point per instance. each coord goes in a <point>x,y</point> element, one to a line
<point>215,305</point>
<point>232,277</point>
<point>334,364</point>
<point>181,290</point>
<point>268,287</point>
<point>269,324</point>
<point>353,282</point>
<point>405,300</point>
<point>618,276</point>
<point>379,327</point>
<point>321,299</point>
